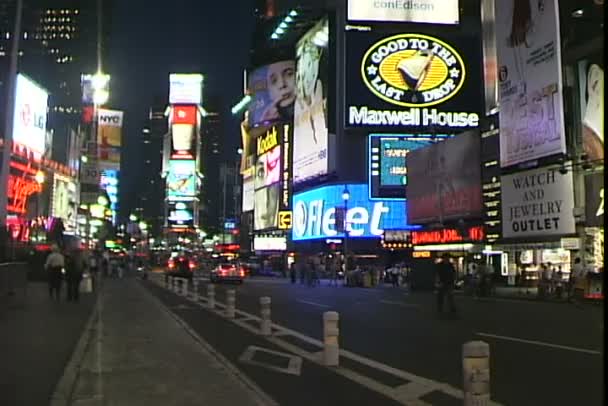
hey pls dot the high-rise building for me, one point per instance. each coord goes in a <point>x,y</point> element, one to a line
<point>212,132</point>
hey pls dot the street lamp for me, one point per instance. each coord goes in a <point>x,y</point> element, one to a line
<point>345,197</point>
<point>39,178</point>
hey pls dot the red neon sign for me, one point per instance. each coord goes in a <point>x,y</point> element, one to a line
<point>20,189</point>
<point>447,235</point>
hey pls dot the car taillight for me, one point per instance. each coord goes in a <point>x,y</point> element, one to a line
<point>242,272</point>
<point>171,265</point>
<point>191,265</point>
<point>222,272</point>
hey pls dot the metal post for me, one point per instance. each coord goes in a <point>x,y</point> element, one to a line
<point>476,373</point>
<point>230,303</point>
<point>331,333</point>
<point>9,108</point>
<point>195,287</point>
<point>265,320</point>
<point>211,296</point>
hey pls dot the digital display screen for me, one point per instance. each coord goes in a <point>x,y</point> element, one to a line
<point>181,180</point>
<point>387,162</point>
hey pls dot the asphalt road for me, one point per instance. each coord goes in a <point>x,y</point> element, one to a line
<point>541,353</point>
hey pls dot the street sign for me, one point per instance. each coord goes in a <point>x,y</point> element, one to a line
<point>285,220</point>
<point>90,173</point>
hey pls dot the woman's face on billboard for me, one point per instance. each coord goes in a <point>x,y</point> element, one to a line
<point>281,83</point>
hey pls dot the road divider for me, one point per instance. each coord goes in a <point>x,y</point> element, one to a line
<point>230,303</point>
<point>476,373</point>
<point>331,334</point>
<point>211,296</point>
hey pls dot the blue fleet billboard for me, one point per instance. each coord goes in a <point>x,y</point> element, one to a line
<point>314,213</point>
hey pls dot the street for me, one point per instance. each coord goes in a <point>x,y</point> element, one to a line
<point>537,349</point>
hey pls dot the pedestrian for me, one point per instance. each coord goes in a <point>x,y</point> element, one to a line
<point>54,266</point>
<point>75,266</point>
<point>577,276</point>
<point>94,269</point>
<point>557,282</point>
<point>292,272</point>
<point>394,271</point>
<point>445,278</point>
<point>302,270</point>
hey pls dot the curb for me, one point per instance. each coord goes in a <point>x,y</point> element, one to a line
<point>62,395</point>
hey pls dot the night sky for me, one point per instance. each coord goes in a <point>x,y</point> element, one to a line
<point>150,39</point>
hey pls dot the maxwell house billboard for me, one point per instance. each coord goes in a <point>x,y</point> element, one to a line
<point>314,213</point>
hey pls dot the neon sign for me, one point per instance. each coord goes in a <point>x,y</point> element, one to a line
<point>447,235</point>
<point>20,189</point>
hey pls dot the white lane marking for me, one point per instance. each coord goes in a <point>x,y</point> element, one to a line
<point>390,302</point>
<point>541,343</point>
<point>312,303</point>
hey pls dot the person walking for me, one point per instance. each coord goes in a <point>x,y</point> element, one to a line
<point>445,278</point>
<point>94,269</point>
<point>54,265</point>
<point>292,272</point>
<point>75,266</point>
<point>575,282</point>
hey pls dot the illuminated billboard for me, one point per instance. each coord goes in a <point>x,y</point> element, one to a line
<point>181,180</point>
<point>273,89</point>
<point>268,168</point>
<point>387,167</point>
<point>310,134</point>
<point>29,120</point>
<point>412,80</point>
<point>109,183</point>
<point>180,215</point>
<point>404,11</point>
<point>185,88</point>
<point>266,211</point>
<point>64,200</point>
<point>183,121</point>
<point>248,195</point>
<point>314,213</point>
<point>109,138</point>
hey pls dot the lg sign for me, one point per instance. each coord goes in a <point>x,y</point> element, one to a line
<point>29,118</point>
<point>314,213</point>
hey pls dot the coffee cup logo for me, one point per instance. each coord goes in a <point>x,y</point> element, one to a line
<point>413,70</point>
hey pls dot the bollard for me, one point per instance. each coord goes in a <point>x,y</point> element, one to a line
<point>331,332</point>
<point>184,287</point>
<point>175,284</point>
<point>230,303</point>
<point>168,282</point>
<point>265,321</point>
<point>195,289</point>
<point>211,296</point>
<point>476,373</point>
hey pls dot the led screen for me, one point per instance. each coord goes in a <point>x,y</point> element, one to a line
<point>314,213</point>
<point>181,180</point>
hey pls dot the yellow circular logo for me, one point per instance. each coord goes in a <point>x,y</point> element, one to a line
<point>413,70</point>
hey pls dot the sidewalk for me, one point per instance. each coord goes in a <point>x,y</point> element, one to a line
<point>135,353</point>
<point>37,337</point>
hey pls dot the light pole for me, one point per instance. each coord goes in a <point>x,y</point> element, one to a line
<point>345,197</point>
<point>40,178</point>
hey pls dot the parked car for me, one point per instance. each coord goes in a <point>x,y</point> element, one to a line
<point>227,272</point>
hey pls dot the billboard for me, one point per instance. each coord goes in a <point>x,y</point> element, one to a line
<point>266,211</point>
<point>412,80</point>
<point>183,120</point>
<point>185,88</point>
<point>64,200</point>
<point>404,11</point>
<point>591,97</point>
<point>539,203</point>
<point>594,200</point>
<point>445,180</point>
<point>181,180</point>
<point>248,195</point>
<point>314,213</point>
<point>109,183</point>
<point>530,80</point>
<point>29,120</point>
<point>180,214</point>
<point>273,89</point>
<point>268,168</point>
<point>310,134</point>
<point>387,169</point>
<point>109,138</point>
<point>269,243</point>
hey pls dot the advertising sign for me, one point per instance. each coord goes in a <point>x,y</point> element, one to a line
<point>185,88</point>
<point>109,138</point>
<point>29,120</point>
<point>314,213</point>
<point>537,203</point>
<point>448,235</point>
<point>404,11</point>
<point>248,195</point>
<point>445,181</point>
<point>181,180</point>
<point>109,183</point>
<point>310,136</point>
<point>591,97</point>
<point>266,211</point>
<point>273,89</point>
<point>412,80</point>
<point>180,214</point>
<point>63,201</point>
<point>594,200</point>
<point>530,89</point>
<point>387,162</point>
<point>269,243</point>
<point>268,168</point>
<point>90,173</point>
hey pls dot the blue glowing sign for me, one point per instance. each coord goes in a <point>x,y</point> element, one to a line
<point>314,213</point>
<point>109,183</point>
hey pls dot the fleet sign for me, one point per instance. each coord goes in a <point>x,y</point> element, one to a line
<point>412,80</point>
<point>314,213</point>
